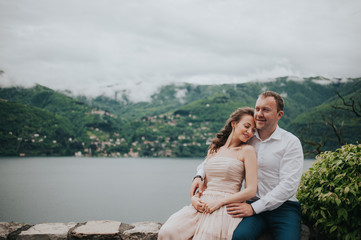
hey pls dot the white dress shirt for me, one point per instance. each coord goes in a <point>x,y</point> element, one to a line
<point>279,169</point>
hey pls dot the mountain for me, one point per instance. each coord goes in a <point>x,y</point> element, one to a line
<point>35,116</point>
<point>167,99</point>
<point>178,121</point>
<point>335,122</point>
<point>34,131</point>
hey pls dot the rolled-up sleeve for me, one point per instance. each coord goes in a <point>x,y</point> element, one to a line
<point>200,169</point>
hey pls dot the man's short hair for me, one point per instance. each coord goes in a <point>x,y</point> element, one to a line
<point>279,100</point>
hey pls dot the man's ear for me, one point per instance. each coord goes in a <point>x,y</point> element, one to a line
<point>280,114</point>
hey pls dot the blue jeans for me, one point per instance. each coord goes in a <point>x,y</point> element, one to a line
<point>284,223</point>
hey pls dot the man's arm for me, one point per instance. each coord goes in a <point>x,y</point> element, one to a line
<point>197,182</point>
<point>200,169</point>
<point>291,167</point>
<point>290,174</point>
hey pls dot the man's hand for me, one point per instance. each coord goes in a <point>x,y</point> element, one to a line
<point>237,210</point>
<point>196,184</point>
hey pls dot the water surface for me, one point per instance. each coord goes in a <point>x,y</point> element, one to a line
<point>70,189</point>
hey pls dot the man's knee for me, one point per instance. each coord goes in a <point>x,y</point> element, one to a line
<point>242,234</point>
<point>249,228</point>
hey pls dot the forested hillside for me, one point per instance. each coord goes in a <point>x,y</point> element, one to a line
<point>178,121</point>
<point>334,123</point>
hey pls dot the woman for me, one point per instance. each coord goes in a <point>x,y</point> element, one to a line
<point>229,161</point>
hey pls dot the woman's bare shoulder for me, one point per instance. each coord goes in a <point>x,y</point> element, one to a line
<point>246,151</point>
<point>248,148</point>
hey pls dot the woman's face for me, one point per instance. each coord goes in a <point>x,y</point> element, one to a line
<point>245,128</point>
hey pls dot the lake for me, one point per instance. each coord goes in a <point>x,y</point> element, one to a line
<point>70,189</point>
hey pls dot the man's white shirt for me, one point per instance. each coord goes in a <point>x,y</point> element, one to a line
<point>279,168</point>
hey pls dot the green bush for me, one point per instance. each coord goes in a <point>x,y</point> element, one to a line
<point>330,194</point>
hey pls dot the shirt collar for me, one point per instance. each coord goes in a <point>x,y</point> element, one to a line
<point>275,135</point>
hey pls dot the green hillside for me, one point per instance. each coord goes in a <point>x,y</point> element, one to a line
<point>29,112</point>
<point>178,121</point>
<point>30,130</point>
<point>332,123</point>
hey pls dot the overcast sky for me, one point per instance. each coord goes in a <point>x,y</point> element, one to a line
<point>98,46</point>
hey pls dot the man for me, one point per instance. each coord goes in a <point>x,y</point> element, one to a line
<point>280,164</point>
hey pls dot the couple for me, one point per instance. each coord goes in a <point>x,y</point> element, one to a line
<point>270,162</point>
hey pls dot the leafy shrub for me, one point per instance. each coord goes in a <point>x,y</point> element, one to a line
<point>330,194</point>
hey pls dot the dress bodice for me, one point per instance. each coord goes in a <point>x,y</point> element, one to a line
<point>224,174</point>
<point>224,177</point>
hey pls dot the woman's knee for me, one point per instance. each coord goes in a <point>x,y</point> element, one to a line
<point>166,232</point>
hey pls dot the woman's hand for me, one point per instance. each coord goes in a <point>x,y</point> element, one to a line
<point>197,204</point>
<point>210,207</point>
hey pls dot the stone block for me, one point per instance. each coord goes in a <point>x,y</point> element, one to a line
<point>305,232</point>
<point>9,229</point>
<point>47,231</point>
<point>142,230</point>
<point>100,230</point>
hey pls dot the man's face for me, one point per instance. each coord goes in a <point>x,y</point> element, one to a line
<point>266,115</point>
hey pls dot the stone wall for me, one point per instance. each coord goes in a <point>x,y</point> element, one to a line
<point>94,230</point>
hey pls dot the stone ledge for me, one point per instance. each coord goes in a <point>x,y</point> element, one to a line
<point>100,230</point>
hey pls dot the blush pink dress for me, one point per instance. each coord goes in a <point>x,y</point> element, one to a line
<point>224,177</point>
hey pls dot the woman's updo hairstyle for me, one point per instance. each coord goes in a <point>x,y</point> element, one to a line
<point>222,136</point>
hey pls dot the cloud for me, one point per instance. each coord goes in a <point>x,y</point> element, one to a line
<point>137,45</point>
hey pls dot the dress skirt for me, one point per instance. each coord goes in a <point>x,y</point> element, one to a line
<point>188,223</point>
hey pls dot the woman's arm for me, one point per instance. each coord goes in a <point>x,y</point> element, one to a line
<point>250,161</point>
